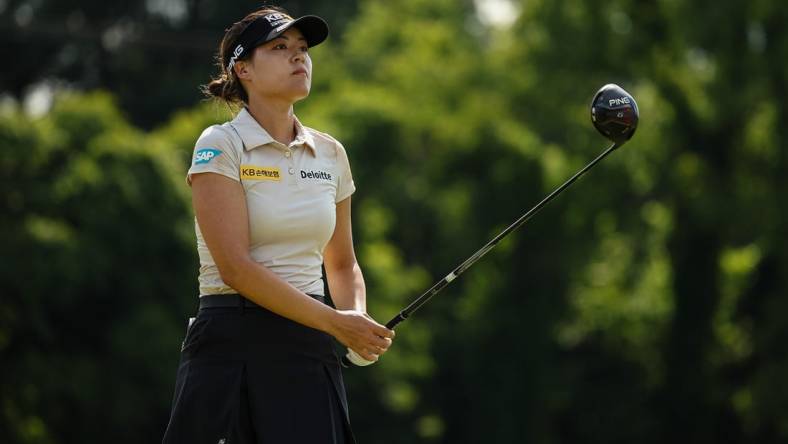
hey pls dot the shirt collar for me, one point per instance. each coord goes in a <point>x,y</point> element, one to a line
<point>254,135</point>
<point>303,136</point>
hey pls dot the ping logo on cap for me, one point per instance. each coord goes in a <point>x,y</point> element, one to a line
<point>238,51</point>
<point>205,155</point>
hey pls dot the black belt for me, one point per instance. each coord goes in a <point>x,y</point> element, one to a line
<point>234,300</point>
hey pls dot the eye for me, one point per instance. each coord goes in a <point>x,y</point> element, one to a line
<point>280,46</point>
<point>304,49</point>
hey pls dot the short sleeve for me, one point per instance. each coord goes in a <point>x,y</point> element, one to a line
<point>215,152</point>
<point>346,187</point>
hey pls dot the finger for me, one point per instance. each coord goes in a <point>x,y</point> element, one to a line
<point>379,329</point>
<point>379,342</point>
<point>369,356</point>
<point>383,332</point>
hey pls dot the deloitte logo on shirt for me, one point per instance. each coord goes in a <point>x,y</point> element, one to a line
<point>205,155</point>
<point>315,175</point>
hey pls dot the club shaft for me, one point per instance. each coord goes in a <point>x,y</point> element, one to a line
<point>441,284</point>
<point>438,286</point>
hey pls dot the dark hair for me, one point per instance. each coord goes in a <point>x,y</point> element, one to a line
<point>226,86</point>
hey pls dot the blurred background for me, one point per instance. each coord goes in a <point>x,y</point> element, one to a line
<point>646,304</point>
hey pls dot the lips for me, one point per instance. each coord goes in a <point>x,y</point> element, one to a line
<point>299,71</point>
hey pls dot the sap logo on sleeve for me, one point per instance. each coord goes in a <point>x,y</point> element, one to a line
<point>205,155</point>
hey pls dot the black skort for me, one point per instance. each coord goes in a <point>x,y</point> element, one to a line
<point>249,376</point>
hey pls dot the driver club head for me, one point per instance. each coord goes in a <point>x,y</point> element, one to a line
<point>614,113</point>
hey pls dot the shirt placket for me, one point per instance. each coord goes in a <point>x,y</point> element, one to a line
<point>292,170</point>
<point>297,150</point>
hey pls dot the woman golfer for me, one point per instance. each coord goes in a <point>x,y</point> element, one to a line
<point>272,204</point>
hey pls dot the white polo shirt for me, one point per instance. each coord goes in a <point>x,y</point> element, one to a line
<point>291,195</point>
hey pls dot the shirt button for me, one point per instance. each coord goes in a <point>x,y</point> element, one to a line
<point>287,153</point>
<point>291,171</point>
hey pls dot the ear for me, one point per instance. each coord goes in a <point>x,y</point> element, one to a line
<point>242,69</point>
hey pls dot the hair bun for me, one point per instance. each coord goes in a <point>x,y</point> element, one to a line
<point>215,88</point>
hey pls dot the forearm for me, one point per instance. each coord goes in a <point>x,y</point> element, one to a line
<point>263,287</point>
<point>347,287</point>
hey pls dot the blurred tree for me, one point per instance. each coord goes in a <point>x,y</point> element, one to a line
<point>97,253</point>
<point>152,54</point>
<point>705,179</point>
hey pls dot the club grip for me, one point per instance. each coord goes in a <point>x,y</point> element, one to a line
<point>353,358</point>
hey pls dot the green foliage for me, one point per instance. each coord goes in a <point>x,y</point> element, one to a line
<point>152,54</point>
<point>98,267</point>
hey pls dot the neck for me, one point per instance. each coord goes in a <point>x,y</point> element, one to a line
<point>276,118</point>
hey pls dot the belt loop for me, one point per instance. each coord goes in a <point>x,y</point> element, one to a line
<point>241,305</point>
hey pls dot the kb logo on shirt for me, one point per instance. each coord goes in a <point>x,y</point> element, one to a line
<point>252,172</point>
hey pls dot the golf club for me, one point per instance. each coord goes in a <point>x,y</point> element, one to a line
<point>614,113</point>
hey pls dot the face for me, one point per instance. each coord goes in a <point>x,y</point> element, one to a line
<point>280,69</point>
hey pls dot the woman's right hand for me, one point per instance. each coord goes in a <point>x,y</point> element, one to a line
<point>357,331</point>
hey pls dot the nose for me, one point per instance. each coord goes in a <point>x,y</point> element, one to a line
<point>299,56</point>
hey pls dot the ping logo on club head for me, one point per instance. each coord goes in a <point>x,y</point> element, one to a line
<point>620,101</point>
<point>205,155</point>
